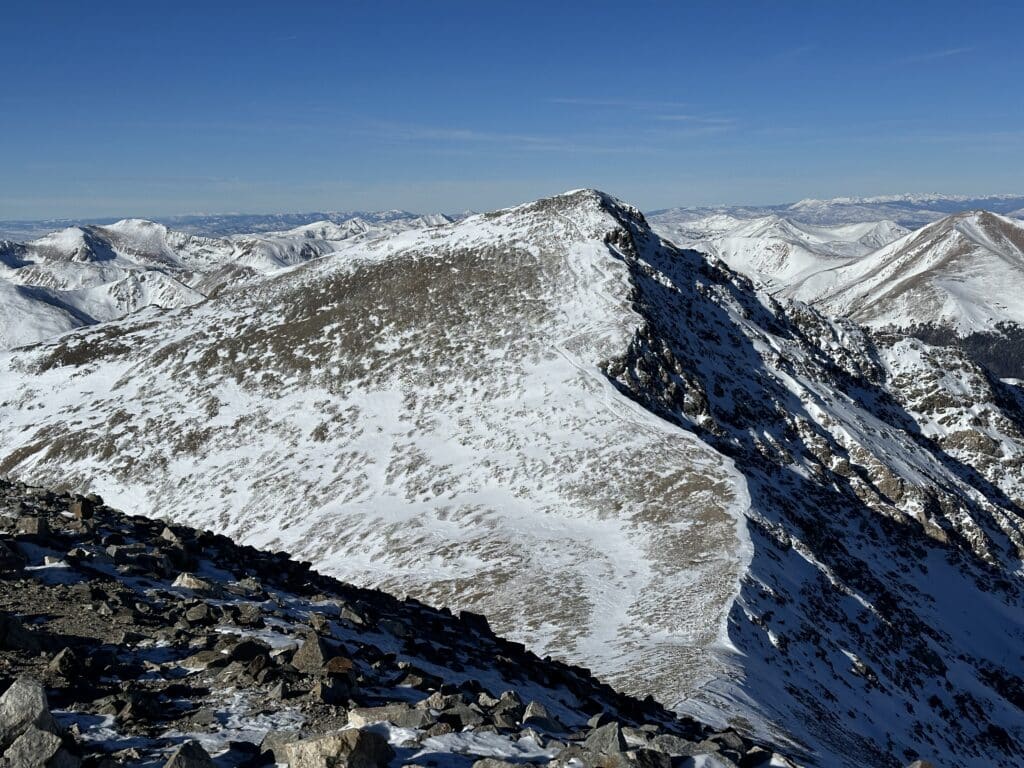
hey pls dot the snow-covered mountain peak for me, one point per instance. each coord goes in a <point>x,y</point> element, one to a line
<point>962,272</point>
<point>983,228</point>
<point>584,203</point>
<point>128,226</point>
<point>74,244</point>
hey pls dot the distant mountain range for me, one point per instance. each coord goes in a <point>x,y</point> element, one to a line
<point>218,224</point>
<point>911,211</point>
<point>88,274</point>
<point>952,281</point>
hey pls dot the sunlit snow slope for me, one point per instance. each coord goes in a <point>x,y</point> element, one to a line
<point>774,250</point>
<point>965,272</point>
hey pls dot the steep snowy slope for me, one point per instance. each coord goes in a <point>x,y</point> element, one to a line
<point>550,415</point>
<point>965,272</point>
<point>774,250</point>
<point>26,314</point>
<point>439,397</point>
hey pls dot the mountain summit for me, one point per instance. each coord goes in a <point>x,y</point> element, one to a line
<point>621,451</point>
<point>963,272</point>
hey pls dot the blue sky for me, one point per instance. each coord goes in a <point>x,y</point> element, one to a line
<point>150,108</point>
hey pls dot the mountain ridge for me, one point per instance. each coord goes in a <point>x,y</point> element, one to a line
<point>959,271</point>
<point>572,414</point>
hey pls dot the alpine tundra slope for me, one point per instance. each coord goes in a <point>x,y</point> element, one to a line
<point>622,452</point>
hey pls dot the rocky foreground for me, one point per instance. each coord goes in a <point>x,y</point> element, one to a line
<point>126,641</point>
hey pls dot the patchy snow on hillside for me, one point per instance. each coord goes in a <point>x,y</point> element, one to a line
<point>624,453</point>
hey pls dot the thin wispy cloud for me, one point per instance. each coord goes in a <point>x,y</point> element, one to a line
<point>697,119</point>
<point>936,55</point>
<point>661,111</point>
<point>618,103</point>
<point>672,136</point>
<point>468,139</point>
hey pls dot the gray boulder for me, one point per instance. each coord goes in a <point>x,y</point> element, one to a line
<point>493,762</point>
<point>675,746</point>
<point>508,712</point>
<point>536,715</point>
<point>38,749</point>
<point>189,755</point>
<point>274,744</point>
<point>349,749</point>
<point>312,655</point>
<point>189,581</point>
<point>461,715</point>
<point>648,758</point>
<point>24,706</point>
<point>606,740</point>
<point>399,713</point>
<point>65,664</point>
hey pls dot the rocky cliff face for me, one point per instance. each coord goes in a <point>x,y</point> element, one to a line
<point>620,451</point>
<point>125,641</point>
